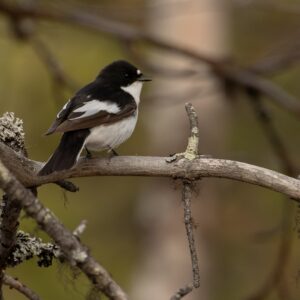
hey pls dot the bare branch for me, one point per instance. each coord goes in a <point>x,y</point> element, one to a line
<point>21,287</point>
<point>279,148</point>
<point>25,170</point>
<point>189,226</point>
<point>72,249</point>
<point>224,70</point>
<point>190,154</point>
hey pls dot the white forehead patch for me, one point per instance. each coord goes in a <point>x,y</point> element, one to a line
<point>139,72</point>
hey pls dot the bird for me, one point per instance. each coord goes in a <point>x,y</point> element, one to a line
<point>100,116</point>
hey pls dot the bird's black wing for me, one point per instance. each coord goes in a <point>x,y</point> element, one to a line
<point>83,112</point>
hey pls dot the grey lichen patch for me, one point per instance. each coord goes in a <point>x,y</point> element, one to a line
<point>192,148</point>
<point>79,255</point>
<point>4,173</point>
<point>27,247</point>
<point>11,132</point>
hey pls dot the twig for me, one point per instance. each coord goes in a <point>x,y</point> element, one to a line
<point>191,153</point>
<point>67,185</point>
<point>189,226</point>
<point>72,249</point>
<point>21,287</point>
<point>182,292</point>
<point>78,231</point>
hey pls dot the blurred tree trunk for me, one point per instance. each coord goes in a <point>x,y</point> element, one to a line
<point>165,263</point>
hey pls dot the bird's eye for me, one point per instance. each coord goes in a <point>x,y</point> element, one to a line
<point>126,75</point>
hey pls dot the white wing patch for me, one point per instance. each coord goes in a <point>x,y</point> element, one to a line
<point>61,111</point>
<point>94,106</point>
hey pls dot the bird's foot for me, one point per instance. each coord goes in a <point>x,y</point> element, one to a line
<point>112,152</point>
<point>88,153</point>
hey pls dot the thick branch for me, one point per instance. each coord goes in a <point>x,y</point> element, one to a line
<point>72,249</point>
<point>12,134</point>
<point>25,170</point>
<point>182,292</point>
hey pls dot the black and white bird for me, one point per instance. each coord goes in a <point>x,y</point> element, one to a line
<point>100,116</point>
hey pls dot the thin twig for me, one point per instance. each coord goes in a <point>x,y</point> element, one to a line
<point>20,287</point>
<point>182,292</point>
<point>192,152</point>
<point>189,226</point>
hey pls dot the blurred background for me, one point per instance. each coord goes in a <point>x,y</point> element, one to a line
<point>247,237</point>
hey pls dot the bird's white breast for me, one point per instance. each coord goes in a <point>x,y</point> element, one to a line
<point>111,136</point>
<point>134,90</point>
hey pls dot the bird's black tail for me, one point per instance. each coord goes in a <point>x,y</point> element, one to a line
<point>67,153</point>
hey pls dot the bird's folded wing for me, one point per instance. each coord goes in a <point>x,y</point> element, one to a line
<point>88,117</point>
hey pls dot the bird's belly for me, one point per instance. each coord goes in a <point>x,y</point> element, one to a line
<point>110,136</point>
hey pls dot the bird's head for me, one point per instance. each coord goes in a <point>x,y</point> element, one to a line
<point>122,74</point>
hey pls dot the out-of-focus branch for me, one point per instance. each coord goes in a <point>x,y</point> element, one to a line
<point>278,62</point>
<point>59,76</point>
<point>14,283</point>
<point>224,70</point>
<point>73,250</point>
<point>281,152</point>
<point>266,122</point>
<point>182,292</point>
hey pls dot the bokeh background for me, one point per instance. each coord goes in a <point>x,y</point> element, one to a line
<point>247,237</point>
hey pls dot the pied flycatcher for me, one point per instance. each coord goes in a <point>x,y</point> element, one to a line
<point>100,116</point>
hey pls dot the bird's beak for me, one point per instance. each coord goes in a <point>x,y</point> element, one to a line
<point>144,78</point>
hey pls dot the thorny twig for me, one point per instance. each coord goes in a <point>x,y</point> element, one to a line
<point>14,283</point>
